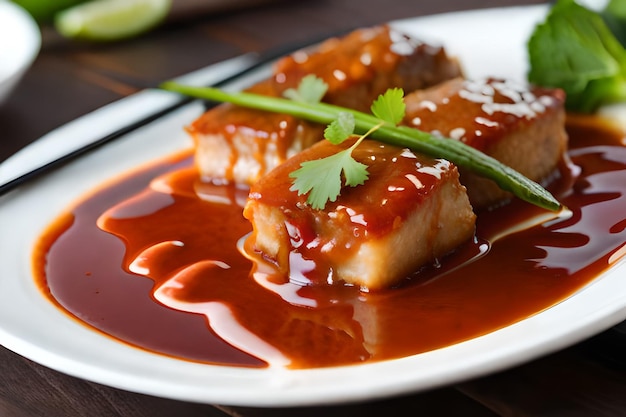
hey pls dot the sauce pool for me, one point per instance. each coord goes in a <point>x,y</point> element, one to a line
<point>155,260</point>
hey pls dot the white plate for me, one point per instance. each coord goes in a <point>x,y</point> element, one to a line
<point>33,327</point>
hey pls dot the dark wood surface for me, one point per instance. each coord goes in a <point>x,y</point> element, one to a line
<point>71,79</point>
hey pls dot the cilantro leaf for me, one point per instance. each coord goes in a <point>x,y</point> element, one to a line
<point>321,178</point>
<point>390,107</point>
<point>340,129</point>
<point>310,90</point>
<point>355,172</point>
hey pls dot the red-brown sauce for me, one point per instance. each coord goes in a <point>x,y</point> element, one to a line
<point>195,296</point>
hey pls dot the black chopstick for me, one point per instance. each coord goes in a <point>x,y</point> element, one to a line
<point>262,60</point>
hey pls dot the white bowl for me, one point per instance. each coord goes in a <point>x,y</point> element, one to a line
<point>20,41</point>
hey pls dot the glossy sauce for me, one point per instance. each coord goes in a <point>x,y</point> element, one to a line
<point>169,275</point>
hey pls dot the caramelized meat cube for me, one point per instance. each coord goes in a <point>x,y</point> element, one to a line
<point>521,127</point>
<point>241,145</point>
<point>411,211</point>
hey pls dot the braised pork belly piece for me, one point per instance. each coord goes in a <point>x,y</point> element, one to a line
<point>522,127</point>
<point>241,145</point>
<point>410,212</point>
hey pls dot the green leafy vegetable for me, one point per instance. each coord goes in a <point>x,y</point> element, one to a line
<point>310,90</point>
<point>576,51</point>
<point>340,129</point>
<point>614,15</point>
<point>321,178</point>
<point>390,107</point>
<point>454,151</point>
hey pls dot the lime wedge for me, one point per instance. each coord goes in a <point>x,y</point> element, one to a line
<point>110,20</point>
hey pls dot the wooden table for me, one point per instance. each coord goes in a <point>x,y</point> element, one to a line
<point>70,79</point>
